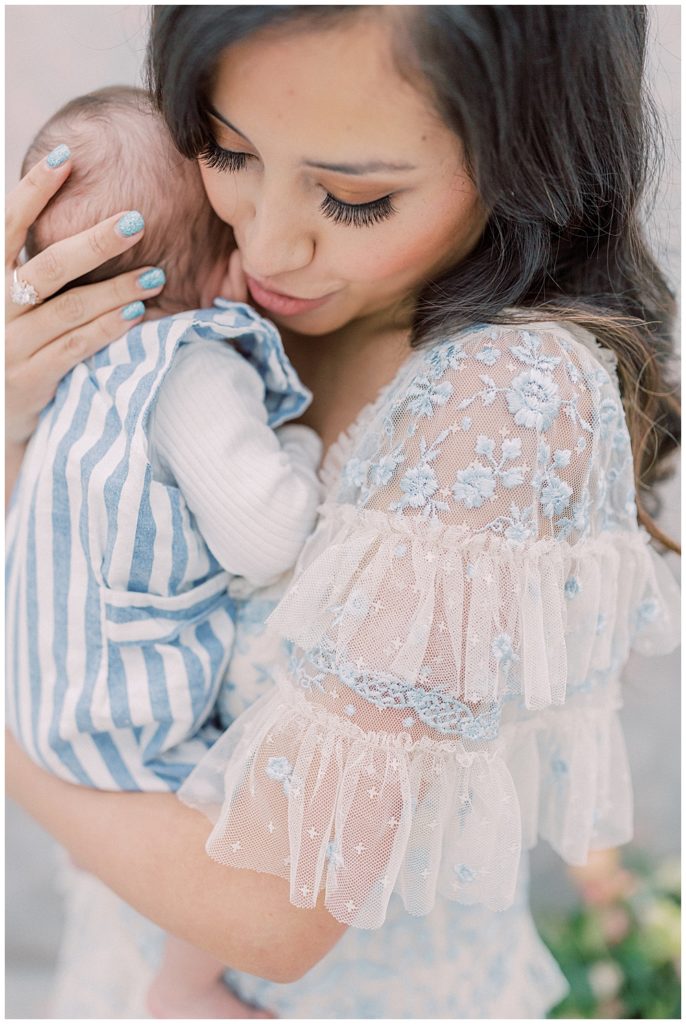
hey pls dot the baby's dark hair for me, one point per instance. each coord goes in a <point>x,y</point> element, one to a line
<point>125,159</point>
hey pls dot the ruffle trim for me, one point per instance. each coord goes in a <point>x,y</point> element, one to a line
<point>301,794</point>
<point>534,618</point>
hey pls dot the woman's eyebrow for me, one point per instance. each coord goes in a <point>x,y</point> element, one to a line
<point>370,167</point>
<point>224,120</point>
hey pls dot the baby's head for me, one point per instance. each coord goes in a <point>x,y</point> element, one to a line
<point>124,159</point>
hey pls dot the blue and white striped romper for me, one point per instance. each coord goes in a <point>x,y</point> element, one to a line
<point>119,622</point>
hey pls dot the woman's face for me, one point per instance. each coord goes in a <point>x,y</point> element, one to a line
<point>339,181</point>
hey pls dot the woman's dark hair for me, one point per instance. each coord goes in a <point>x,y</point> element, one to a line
<point>561,138</point>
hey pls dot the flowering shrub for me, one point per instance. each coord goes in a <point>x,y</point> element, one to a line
<point>620,951</point>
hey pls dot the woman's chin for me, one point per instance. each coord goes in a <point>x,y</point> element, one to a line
<point>314,322</point>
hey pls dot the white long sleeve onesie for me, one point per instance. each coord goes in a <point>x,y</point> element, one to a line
<point>253,491</point>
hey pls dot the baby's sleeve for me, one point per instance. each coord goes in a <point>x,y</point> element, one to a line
<point>253,491</point>
<point>456,628</point>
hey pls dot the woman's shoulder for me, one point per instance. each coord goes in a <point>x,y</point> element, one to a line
<point>526,372</point>
<point>546,346</point>
<point>519,412</point>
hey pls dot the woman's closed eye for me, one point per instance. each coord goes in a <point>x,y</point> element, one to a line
<point>216,157</point>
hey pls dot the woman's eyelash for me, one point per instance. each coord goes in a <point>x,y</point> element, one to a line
<point>220,159</point>
<point>357,214</point>
<point>349,214</point>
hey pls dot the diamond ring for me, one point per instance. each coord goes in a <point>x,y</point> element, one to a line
<point>22,293</point>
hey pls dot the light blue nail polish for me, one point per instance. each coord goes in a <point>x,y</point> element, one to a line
<point>59,156</point>
<point>152,278</point>
<point>132,311</point>
<point>130,224</point>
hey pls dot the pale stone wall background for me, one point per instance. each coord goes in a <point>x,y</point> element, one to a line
<point>56,52</point>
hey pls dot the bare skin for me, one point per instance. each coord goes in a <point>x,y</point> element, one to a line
<point>162,870</point>
<point>188,986</point>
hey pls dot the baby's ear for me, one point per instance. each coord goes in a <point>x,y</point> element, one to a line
<point>234,287</point>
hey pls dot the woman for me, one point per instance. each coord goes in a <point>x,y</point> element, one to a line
<point>499,188</point>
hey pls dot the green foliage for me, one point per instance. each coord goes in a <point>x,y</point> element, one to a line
<point>622,959</point>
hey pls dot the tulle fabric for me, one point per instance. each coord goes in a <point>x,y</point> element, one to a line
<point>452,641</point>
<point>567,610</point>
<point>307,796</point>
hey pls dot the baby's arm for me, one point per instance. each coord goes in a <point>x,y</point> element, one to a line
<point>254,494</point>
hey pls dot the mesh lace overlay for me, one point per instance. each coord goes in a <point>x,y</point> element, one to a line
<point>452,638</point>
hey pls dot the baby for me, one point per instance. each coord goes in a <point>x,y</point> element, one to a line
<point>161,484</point>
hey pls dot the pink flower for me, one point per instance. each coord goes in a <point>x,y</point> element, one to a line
<point>614,924</point>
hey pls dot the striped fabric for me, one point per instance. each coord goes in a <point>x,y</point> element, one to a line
<point>119,623</point>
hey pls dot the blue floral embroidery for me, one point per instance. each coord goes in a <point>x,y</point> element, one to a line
<point>383,471</point>
<point>355,472</point>
<point>446,357</point>
<point>477,483</point>
<point>280,770</point>
<point>439,710</point>
<point>424,394</point>
<point>474,485</point>
<point>608,415</point>
<point>529,351</point>
<point>647,612</point>
<point>333,853</point>
<point>521,525</point>
<point>555,496</point>
<point>572,587</point>
<point>464,872</point>
<point>418,485</point>
<point>502,649</point>
<point>298,667</point>
<point>534,400</point>
<point>421,483</point>
<point>488,355</point>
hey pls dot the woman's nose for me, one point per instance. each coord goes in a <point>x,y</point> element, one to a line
<point>275,241</point>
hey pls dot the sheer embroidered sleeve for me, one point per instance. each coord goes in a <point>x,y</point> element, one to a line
<point>456,628</point>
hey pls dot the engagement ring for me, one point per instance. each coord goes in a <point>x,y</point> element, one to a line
<point>22,293</point>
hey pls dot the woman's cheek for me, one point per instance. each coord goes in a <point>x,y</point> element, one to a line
<point>408,254</point>
<point>221,193</point>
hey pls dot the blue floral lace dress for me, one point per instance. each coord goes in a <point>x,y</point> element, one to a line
<point>438,684</point>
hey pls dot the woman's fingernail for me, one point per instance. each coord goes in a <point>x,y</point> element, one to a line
<point>132,311</point>
<point>59,156</point>
<point>154,278</point>
<point>130,224</point>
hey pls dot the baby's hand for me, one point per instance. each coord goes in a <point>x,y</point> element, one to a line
<point>234,287</point>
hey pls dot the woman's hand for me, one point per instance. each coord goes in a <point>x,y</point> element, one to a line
<point>44,341</point>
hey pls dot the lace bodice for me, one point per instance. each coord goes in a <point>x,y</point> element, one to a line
<point>456,629</point>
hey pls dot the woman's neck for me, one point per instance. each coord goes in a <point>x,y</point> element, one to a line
<point>345,371</point>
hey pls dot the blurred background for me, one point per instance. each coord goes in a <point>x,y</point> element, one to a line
<point>54,53</point>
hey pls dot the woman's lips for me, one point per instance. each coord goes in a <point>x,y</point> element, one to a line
<point>276,302</point>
